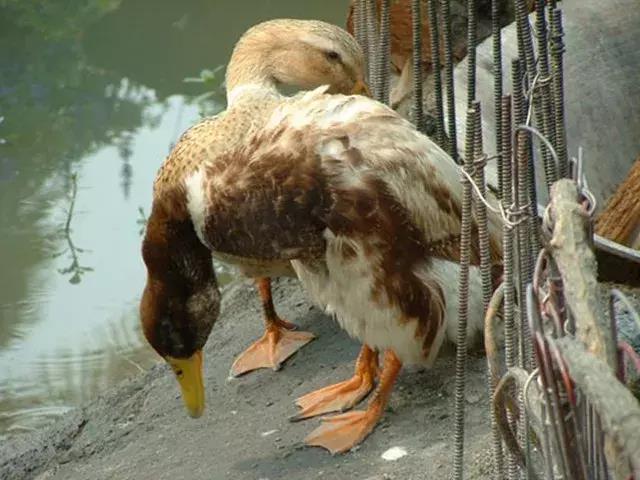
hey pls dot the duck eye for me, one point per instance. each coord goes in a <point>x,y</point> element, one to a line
<point>332,55</point>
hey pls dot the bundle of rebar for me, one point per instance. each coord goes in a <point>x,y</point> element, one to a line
<point>560,406</point>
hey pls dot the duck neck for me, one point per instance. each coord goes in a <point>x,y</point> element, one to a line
<point>251,69</point>
<point>172,250</point>
<point>181,299</point>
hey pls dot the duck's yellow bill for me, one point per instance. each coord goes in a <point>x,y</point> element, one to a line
<point>361,88</point>
<point>189,374</point>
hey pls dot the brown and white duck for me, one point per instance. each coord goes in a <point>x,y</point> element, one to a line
<point>365,209</point>
<point>292,53</point>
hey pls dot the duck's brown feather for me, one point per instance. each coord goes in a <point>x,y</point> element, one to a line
<point>358,172</point>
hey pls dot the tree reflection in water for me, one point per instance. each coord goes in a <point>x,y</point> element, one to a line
<point>75,270</point>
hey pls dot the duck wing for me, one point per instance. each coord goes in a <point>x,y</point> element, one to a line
<point>343,164</point>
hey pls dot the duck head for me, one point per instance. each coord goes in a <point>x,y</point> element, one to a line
<point>305,54</point>
<point>180,302</point>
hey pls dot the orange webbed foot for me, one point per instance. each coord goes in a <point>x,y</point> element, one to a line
<point>344,395</point>
<point>276,345</point>
<point>341,433</point>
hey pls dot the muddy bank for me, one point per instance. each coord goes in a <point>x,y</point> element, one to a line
<point>141,431</point>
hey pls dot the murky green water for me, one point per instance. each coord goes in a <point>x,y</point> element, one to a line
<point>93,95</point>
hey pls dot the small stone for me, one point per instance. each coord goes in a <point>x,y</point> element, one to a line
<point>394,453</point>
<point>473,397</point>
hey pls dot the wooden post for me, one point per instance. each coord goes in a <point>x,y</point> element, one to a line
<point>576,261</point>
<point>618,409</point>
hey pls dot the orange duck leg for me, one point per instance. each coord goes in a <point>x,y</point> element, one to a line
<point>344,395</point>
<point>277,344</point>
<point>340,433</point>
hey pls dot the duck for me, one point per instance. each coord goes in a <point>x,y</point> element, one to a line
<point>323,54</point>
<point>342,70</point>
<point>364,208</point>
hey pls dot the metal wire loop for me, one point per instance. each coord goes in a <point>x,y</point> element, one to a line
<point>520,214</point>
<point>525,389</point>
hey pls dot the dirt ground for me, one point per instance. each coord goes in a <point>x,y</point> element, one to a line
<point>140,430</point>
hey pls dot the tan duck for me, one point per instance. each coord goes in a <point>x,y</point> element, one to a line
<point>365,208</point>
<point>336,63</point>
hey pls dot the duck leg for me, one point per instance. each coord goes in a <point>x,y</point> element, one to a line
<point>341,433</point>
<point>344,395</point>
<point>277,344</point>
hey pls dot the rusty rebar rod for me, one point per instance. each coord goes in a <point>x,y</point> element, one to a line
<point>472,34</point>
<point>526,53</point>
<point>496,35</point>
<point>463,304</point>
<point>479,163</point>
<point>544,80</point>
<point>508,257</point>
<point>360,30</point>
<point>448,76</point>
<point>557,83</point>
<point>432,12</point>
<point>381,83</point>
<point>493,373</point>
<point>416,28</point>
<point>371,22</point>
<point>520,166</point>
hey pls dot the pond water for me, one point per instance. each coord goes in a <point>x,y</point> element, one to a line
<point>92,96</point>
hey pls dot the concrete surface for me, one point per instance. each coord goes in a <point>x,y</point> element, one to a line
<point>141,431</point>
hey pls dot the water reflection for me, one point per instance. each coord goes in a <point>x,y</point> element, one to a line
<point>93,97</point>
<point>74,270</point>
